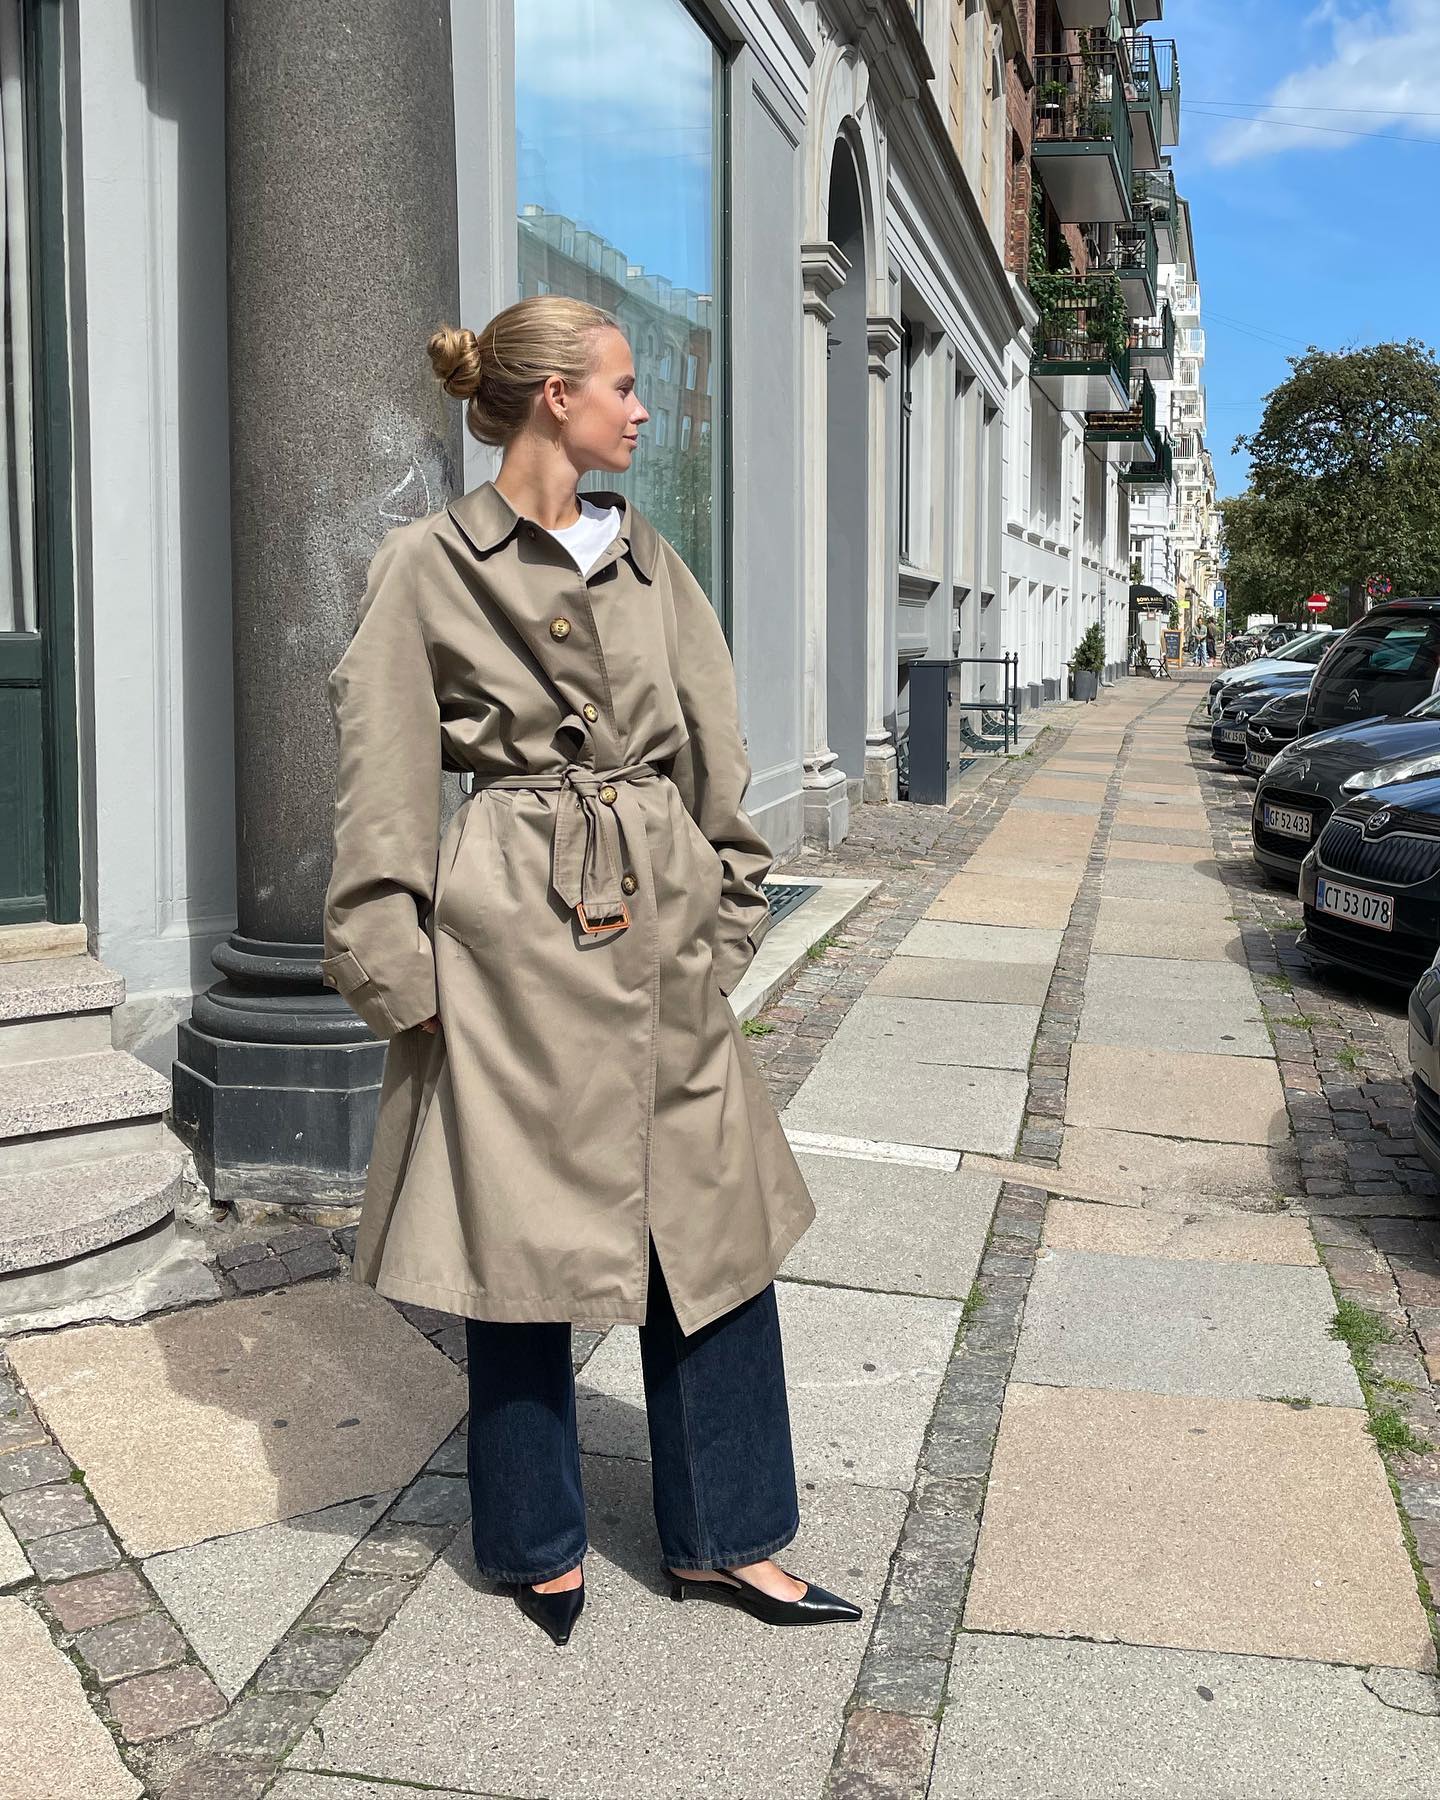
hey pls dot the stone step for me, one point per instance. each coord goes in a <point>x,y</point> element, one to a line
<point>72,1109</point>
<point>56,1006</point>
<point>20,943</point>
<point>54,1215</point>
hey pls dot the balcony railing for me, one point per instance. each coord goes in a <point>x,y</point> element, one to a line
<point>1192,342</point>
<point>1152,343</point>
<point>1156,66</point>
<point>1078,361</point>
<point>1132,255</point>
<point>1152,197</point>
<point>1142,95</point>
<point>1157,473</point>
<point>1185,298</point>
<point>1083,146</point>
<point>1128,436</point>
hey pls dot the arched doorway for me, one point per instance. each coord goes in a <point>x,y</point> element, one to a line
<point>847,507</point>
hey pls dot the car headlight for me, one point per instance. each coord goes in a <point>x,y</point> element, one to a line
<point>1385,773</point>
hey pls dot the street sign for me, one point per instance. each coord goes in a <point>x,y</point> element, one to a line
<point>1219,594</point>
<point>1318,602</point>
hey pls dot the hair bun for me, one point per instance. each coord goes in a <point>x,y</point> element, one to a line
<point>455,358</point>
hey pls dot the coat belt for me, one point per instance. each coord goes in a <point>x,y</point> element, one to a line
<point>586,855</point>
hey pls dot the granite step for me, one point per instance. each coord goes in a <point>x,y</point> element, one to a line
<point>53,1215</point>
<point>72,1109</point>
<point>56,1006</point>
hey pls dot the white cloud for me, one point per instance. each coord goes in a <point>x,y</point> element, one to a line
<point>1379,66</point>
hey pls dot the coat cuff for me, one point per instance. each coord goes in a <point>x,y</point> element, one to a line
<point>396,1006</point>
<point>735,954</point>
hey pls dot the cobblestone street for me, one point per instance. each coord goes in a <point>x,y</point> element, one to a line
<point>1096,1160</point>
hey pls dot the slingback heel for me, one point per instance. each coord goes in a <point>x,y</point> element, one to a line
<point>816,1606</point>
<point>555,1613</point>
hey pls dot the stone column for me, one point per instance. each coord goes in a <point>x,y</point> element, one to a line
<point>340,190</point>
<point>882,783</point>
<point>827,803</point>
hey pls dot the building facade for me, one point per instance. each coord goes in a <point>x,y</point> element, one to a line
<point>891,271</point>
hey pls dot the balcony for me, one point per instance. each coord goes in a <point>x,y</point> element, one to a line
<point>1185,298</point>
<point>1126,437</point>
<point>1192,342</point>
<point>1131,255</point>
<point>1142,97</point>
<point>1155,73</point>
<point>1152,344</point>
<point>1152,197</point>
<point>1083,149</point>
<point>1147,12</point>
<point>1157,473</point>
<point>1081,360</point>
<point>1085,15</point>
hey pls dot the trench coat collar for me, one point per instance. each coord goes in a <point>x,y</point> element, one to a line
<point>487,520</point>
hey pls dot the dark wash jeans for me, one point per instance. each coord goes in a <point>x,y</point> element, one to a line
<point>722,1468</point>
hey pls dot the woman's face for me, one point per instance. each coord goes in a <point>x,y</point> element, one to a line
<point>604,416</point>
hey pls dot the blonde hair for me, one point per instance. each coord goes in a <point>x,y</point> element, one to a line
<point>500,371</point>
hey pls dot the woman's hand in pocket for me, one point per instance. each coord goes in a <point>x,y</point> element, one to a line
<point>432,1024</point>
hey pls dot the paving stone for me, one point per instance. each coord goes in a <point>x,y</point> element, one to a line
<point>1158,928</point>
<point>433,1500</point>
<point>883,1756</point>
<point>41,1512</point>
<point>899,1033</point>
<point>235,1597</point>
<point>294,1785</point>
<point>52,1747</point>
<point>32,1468</point>
<point>225,1426</point>
<point>155,1706</point>
<point>463,1691</point>
<point>1234,1330</point>
<point>20,1429</point>
<point>208,1780</point>
<point>1176,1094</point>
<point>357,1603</point>
<point>1010,899</point>
<point>450,1458</point>
<point>1191,855</point>
<point>1029,1718</point>
<point>862,1371</point>
<point>14,1568</point>
<point>313,1664</point>
<point>398,1550</point>
<point>981,943</point>
<point>1164,1004</point>
<point>1194,1524</point>
<point>131,1646</point>
<point>1207,1237</point>
<point>73,1553</point>
<point>1086,809</point>
<point>98,1599</point>
<point>264,1726</point>
<point>892,1228</point>
<point>1198,884</point>
<point>944,1106</point>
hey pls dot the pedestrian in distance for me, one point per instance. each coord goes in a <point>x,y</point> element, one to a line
<point>1209,645</point>
<point>570,1127</point>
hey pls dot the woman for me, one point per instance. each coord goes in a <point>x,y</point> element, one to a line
<point>570,1124</point>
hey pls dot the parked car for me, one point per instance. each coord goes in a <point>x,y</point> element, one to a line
<point>1306,781</point>
<point>1386,663</point>
<point>1241,702</point>
<point>1425,1064</point>
<point>1307,649</point>
<point>1275,637</point>
<point>1272,728</point>
<point>1371,884</point>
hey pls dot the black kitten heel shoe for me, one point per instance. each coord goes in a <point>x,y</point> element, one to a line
<point>556,1612</point>
<point>816,1606</point>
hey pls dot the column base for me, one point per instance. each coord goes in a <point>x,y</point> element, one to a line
<point>827,808</point>
<point>882,774</point>
<point>276,1089</point>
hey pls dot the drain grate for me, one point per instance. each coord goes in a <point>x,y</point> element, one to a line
<point>784,897</point>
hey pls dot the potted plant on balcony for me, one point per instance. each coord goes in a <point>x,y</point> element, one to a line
<point>1087,663</point>
<point>1050,100</point>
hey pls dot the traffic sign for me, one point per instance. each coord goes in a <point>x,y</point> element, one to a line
<point>1318,602</point>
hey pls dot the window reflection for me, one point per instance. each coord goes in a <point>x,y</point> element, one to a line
<point>615,111</point>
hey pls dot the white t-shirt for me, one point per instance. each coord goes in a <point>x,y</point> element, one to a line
<point>591,535</point>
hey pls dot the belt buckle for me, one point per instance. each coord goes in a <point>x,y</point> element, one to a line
<point>605,925</point>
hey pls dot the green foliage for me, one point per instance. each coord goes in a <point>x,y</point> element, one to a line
<point>1090,651</point>
<point>1344,481</point>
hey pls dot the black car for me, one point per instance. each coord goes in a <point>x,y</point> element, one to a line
<point>1371,885</point>
<point>1243,699</point>
<point>1307,648</point>
<point>1387,663</point>
<point>1306,781</point>
<point>1424,1013</point>
<point>1272,728</point>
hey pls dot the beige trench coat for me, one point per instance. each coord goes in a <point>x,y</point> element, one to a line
<point>586,1083</point>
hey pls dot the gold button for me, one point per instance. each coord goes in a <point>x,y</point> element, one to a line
<point>559,628</point>
<point>590,711</point>
<point>607,794</point>
<point>628,884</point>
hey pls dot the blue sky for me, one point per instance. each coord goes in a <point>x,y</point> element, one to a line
<point>1304,234</point>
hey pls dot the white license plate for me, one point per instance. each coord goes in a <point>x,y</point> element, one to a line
<point>1286,823</point>
<point>1230,734</point>
<point>1377,910</point>
<point>1257,761</point>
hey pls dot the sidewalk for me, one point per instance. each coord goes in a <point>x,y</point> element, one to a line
<point>1069,1418</point>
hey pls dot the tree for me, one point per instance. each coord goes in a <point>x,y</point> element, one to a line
<point>1344,479</point>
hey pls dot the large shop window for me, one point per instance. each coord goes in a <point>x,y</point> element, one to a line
<point>619,109</point>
